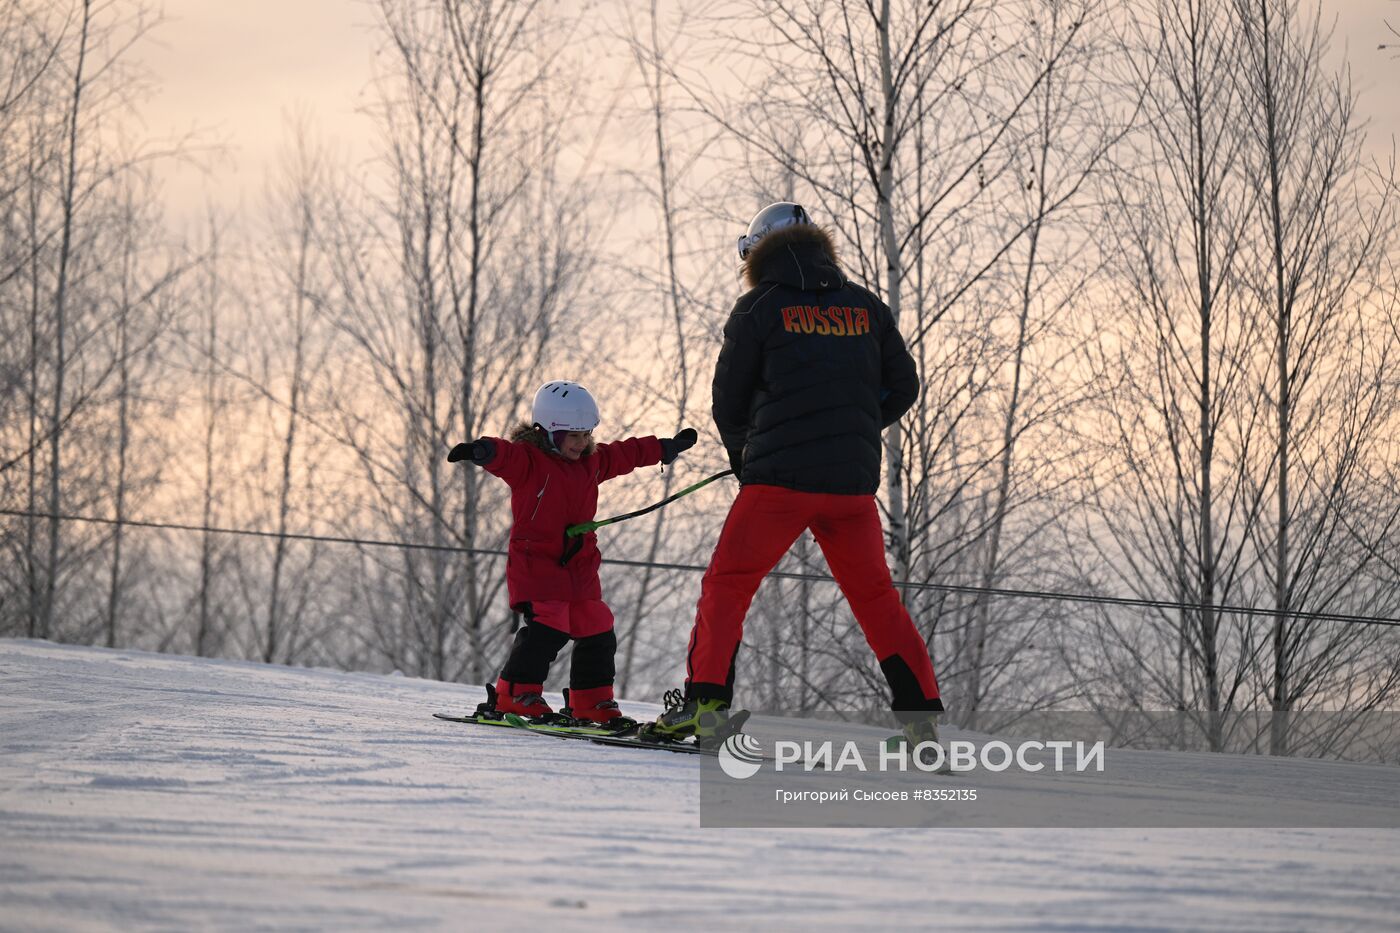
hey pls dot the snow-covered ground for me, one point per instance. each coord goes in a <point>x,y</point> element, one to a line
<point>144,791</point>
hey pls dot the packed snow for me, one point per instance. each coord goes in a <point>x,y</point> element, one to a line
<point>142,791</point>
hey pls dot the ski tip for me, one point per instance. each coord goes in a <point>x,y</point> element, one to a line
<point>454,717</point>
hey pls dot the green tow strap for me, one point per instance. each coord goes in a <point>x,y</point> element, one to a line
<point>573,535</point>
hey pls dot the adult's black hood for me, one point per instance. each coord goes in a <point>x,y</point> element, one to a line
<point>811,371</point>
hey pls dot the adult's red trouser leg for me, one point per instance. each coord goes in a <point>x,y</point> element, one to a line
<point>762,524</point>
<point>848,531</point>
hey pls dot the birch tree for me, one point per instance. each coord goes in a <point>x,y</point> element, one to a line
<point>1323,231</point>
<point>1176,509</point>
<point>913,127</point>
<point>450,286</point>
<point>66,168</point>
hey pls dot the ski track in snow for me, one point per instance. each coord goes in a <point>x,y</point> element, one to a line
<point>142,791</point>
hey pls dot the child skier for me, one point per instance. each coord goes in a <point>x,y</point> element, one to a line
<point>553,469</point>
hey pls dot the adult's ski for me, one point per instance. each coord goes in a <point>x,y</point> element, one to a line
<point>639,736</point>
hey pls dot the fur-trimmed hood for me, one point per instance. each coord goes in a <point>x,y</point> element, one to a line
<point>811,371</point>
<point>802,256</point>
<point>529,434</point>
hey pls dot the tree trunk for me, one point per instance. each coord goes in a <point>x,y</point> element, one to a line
<point>60,330</point>
<point>894,278</point>
<point>123,443</point>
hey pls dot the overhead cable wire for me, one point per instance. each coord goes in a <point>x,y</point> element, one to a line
<point>969,589</point>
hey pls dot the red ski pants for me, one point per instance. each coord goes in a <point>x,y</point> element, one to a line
<point>762,524</point>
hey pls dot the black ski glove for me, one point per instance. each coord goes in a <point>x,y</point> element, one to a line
<point>480,452</point>
<point>672,447</point>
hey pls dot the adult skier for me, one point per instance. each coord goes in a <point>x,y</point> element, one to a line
<point>811,371</point>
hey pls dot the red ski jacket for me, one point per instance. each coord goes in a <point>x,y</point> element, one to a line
<point>548,493</point>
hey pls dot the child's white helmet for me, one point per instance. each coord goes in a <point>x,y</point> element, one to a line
<point>565,406</point>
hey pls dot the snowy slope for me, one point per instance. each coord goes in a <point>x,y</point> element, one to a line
<point>145,791</point>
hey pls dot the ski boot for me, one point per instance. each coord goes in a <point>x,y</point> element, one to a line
<point>916,733</point>
<point>707,720</point>
<point>595,705</point>
<point>522,699</point>
<point>487,710</point>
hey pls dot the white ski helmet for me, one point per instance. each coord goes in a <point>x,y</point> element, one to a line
<point>775,216</point>
<point>564,406</point>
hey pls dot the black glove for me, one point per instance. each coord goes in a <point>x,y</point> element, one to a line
<point>672,447</point>
<point>480,452</point>
<point>736,463</point>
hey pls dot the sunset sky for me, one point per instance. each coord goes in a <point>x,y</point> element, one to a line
<point>240,71</point>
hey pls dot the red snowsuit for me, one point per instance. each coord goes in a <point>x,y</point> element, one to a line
<point>548,493</point>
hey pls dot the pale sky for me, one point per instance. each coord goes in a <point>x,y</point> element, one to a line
<point>239,70</point>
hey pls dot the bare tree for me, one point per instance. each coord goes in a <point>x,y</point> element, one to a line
<point>144,309</point>
<point>30,46</point>
<point>1048,269</point>
<point>1243,366</point>
<point>1183,423</point>
<point>68,203</point>
<point>66,171</point>
<point>210,627</point>
<point>1321,239</point>
<point>649,54</point>
<point>289,281</point>
<point>915,127</point>
<point>448,291</point>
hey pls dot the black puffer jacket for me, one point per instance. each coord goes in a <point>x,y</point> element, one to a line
<point>812,370</point>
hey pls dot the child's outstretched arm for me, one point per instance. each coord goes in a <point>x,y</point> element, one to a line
<point>508,460</point>
<point>673,447</point>
<point>480,452</point>
<point>619,458</point>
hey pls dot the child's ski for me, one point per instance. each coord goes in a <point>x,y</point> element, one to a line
<point>522,723</point>
<point>477,720</point>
